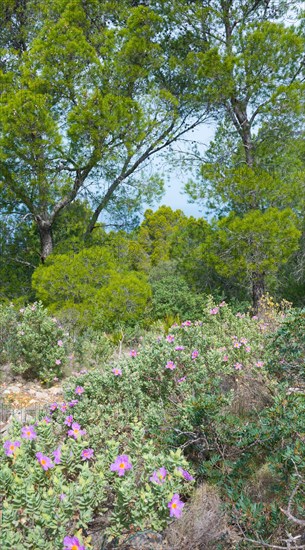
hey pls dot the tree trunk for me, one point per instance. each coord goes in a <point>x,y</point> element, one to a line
<point>258,289</point>
<point>46,240</point>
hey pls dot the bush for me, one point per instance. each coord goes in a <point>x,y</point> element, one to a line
<point>287,348</point>
<point>36,350</point>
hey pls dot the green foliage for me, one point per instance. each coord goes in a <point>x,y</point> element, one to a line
<point>91,286</point>
<point>34,342</point>
<point>287,348</point>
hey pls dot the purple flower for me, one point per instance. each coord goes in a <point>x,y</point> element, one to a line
<point>121,464</point>
<point>170,338</point>
<point>214,310</point>
<point>159,476</point>
<point>186,324</point>
<point>259,363</point>
<point>44,461</point>
<point>83,371</point>
<point>10,447</point>
<point>62,496</point>
<point>179,348</point>
<point>58,362</point>
<point>170,365</point>
<point>69,420</point>
<point>87,454</point>
<point>117,372</point>
<point>64,407</point>
<point>133,353</point>
<point>185,474</point>
<point>60,343</point>
<point>73,403</point>
<point>195,353</point>
<point>57,455</point>
<point>76,431</point>
<point>175,506</point>
<point>183,379</point>
<point>53,407</point>
<point>72,543</point>
<point>28,432</point>
<point>79,390</point>
<point>47,420</point>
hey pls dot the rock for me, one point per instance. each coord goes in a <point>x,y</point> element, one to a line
<point>12,389</point>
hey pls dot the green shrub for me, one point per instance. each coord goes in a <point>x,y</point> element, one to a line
<point>37,349</point>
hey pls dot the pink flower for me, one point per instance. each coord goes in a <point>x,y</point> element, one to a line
<point>195,354</point>
<point>57,455</point>
<point>58,362</point>
<point>259,363</point>
<point>238,366</point>
<point>244,340</point>
<point>47,420</point>
<point>87,454</point>
<point>76,431</point>
<point>28,432</point>
<point>64,407</point>
<point>79,390</point>
<point>170,338</point>
<point>222,304</point>
<point>236,345</point>
<point>121,464</point>
<point>53,407</point>
<point>214,310</point>
<point>44,461</point>
<point>72,543</point>
<point>248,349</point>
<point>10,447</point>
<point>159,476</point>
<point>60,343</point>
<point>175,506</point>
<point>179,348</point>
<point>170,365</point>
<point>69,420</point>
<point>186,324</point>
<point>183,379</point>
<point>133,353</point>
<point>117,372</point>
<point>73,403</point>
<point>225,358</point>
<point>185,474</point>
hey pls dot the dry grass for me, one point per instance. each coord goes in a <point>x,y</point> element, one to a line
<point>203,525</point>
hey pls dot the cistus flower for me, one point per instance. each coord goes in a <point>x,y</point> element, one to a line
<point>238,366</point>
<point>58,362</point>
<point>183,379</point>
<point>185,474</point>
<point>73,403</point>
<point>214,311</point>
<point>72,543</point>
<point>44,461</point>
<point>46,420</point>
<point>159,476</point>
<point>28,432</point>
<point>170,365</point>
<point>53,407</point>
<point>64,407</point>
<point>225,358</point>
<point>69,420</point>
<point>179,348</point>
<point>133,353</point>
<point>121,464</point>
<point>62,496</point>
<point>195,354</point>
<point>236,345</point>
<point>259,363</point>
<point>170,338</point>
<point>60,343</point>
<point>117,372</point>
<point>76,431</point>
<point>186,324</point>
<point>87,454</point>
<point>10,447</point>
<point>175,506</point>
<point>79,390</point>
<point>57,455</point>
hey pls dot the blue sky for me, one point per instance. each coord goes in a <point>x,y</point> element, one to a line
<point>174,195</point>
